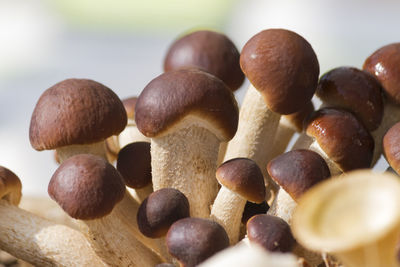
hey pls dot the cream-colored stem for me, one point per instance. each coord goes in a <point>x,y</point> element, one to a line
<point>255,135</point>
<point>302,142</point>
<point>283,206</point>
<point>186,160</point>
<point>221,154</point>
<point>131,134</point>
<point>227,210</point>
<point>282,138</point>
<point>98,149</point>
<point>140,194</point>
<point>41,242</point>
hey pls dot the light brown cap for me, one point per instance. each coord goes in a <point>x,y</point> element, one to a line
<point>297,118</point>
<point>160,210</point>
<point>270,232</point>
<point>283,66</point>
<point>354,90</point>
<point>86,187</point>
<point>173,95</point>
<point>298,170</point>
<point>193,240</point>
<point>391,147</point>
<point>129,105</point>
<point>209,51</point>
<point>75,112</point>
<point>244,177</point>
<point>384,64</point>
<point>10,186</point>
<point>343,138</point>
<point>134,164</point>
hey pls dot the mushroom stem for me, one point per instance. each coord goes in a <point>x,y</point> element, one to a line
<point>221,154</point>
<point>139,194</point>
<point>282,138</point>
<point>131,134</point>
<point>283,206</point>
<point>227,210</point>
<point>186,160</point>
<point>41,242</point>
<point>333,167</point>
<point>66,152</point>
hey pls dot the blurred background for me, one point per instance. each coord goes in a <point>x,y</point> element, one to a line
<point>122,43</point>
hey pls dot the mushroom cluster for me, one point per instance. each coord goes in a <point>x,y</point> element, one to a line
<point>182,176</point>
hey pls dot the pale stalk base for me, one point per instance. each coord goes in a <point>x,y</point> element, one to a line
<point>41,242</point>
<point>140,194</point>
<point>227,210</point>
<point>282,138</point>
<point>98,149</point>
<point>254,137</point>
<point>283,206</point>
<point>131,134</point>
<point>333,167</point>
<point>186,160</point>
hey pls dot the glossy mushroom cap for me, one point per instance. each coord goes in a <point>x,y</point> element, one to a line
<point>10,186</point>
<point>297,119</point>
<point>129,105</point>
<point>252,209</point>
<point>391,146</point>
<point>343,138</point>
<point>209,51</point>
<point>354,90</point>
<point>75,112</point>
<point>298,170</point>
<point>86,187</point>
<point>134,164</point>
<point>193,240</point>
<point>178,98</point>
<point>283,66</point>
<point>160,210</point>
<point>270,232</point>
<point>244,177</point>
<point>384,64</point>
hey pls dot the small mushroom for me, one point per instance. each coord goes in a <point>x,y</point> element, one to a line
<point>391,147</point>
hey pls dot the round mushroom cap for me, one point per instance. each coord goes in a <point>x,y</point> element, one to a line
<point>298,170</point>
<point>160,210</point>
<point>244,177</point>
<point>384,64</point>
<point>193,240</point>
<point>167,100</point>
<point>209,51</point>
<point>134,164</point>
<point>86,187</point>
<point>251,209</point>
<point>129,105</point>
<point>283,67</point>
<point>10,186</point>
<point>343,138</point>
<point>297,119</point>
<point>270,232</point>
<point>354,90</point>
<point>75,112</point>
<point>391,147</point>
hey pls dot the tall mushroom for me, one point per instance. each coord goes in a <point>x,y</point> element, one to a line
<point>187,113</point>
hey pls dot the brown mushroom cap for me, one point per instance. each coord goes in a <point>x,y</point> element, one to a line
<point>193,240</point>
<point>160,210</point>
<point>384,64</point>
<point>343,138</point>
<point>134,164</point>
<point>86,187</point>
<point>129,105</point>
<point>244,177</point>
<point>391,146</point>
<point>209,51</point>
<point>283,66</point>
<point>75,112</point>
<point>270,232</point>
<point>298,170</point>
<point>10,186</point>
<point>354,90</point>
<point>173,95</point>
<point>297,118</point>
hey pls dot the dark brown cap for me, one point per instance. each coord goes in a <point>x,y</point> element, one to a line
<point>134,164</point>
<point>391,147</point>
<point>209,51</point>
<point>173,95</point>
<point>297,118</point>
<point>343,138</point>
<point>75,112</point>
<point>129,105</point>
<point>160,210</point>
<point>251,209</point>
<point>298,170</point>
<point>354,90</point>
<point>384,64</point>
<point>10,186</point>
<point>283,66</point>
<point>86,187</point>
<point>270,232</point>
<point>244,177</point>
<point>193,240</point>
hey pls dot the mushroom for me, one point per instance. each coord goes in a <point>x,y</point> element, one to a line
<point>391,147</point>
<point>356,218</point>
<point>34,239</point>
<point>90,190</point>
<point>193,240</point>
<point>241,180</point>
<point>187,113</point>
<point>283,71</point>
<point>75,116</point>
